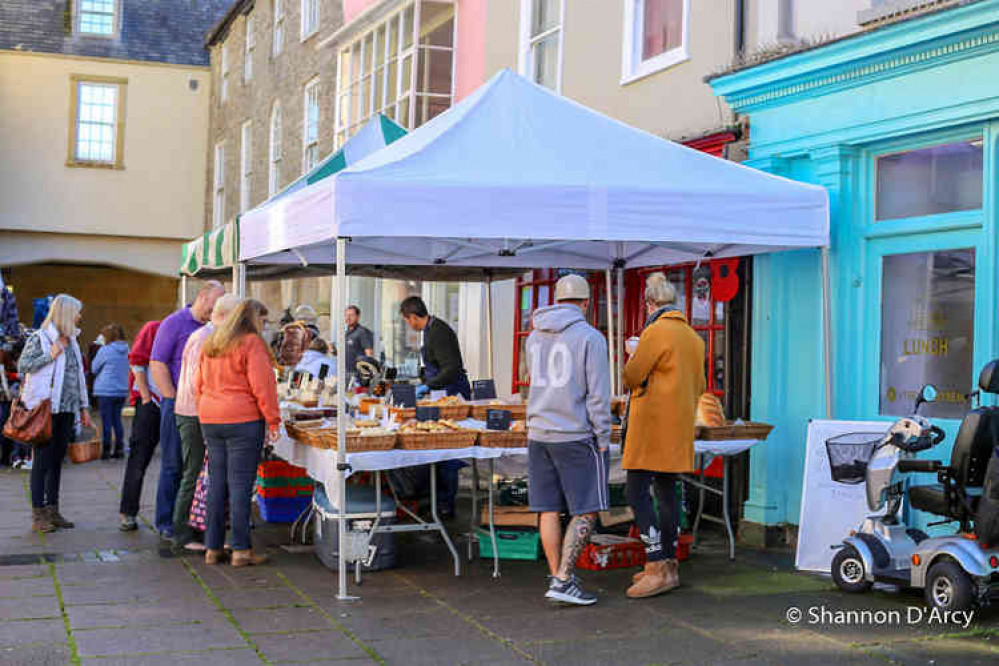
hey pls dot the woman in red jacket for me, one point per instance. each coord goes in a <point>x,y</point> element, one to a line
<point>237,405</point>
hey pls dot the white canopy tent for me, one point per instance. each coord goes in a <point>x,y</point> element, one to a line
<point>516,177</point>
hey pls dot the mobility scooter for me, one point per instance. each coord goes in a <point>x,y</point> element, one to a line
<point>958,571</point>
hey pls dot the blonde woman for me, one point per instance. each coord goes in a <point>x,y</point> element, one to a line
<point>236,392</point>
<point>665,375</point>
<point>53,366</point>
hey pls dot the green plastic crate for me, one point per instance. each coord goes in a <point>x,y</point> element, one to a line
<point>522,544</point>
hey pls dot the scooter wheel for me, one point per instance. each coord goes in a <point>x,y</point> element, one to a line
<point>848,571</point>
<point>949,588</point>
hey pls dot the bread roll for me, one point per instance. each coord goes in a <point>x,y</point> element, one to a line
<point>709,411</point>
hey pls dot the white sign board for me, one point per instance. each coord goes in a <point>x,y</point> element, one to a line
<point>829,510</point>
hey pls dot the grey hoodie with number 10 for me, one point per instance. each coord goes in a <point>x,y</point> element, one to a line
<point>569,398</point>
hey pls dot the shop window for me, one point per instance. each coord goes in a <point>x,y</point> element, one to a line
<point>541,41</point>
<point>655,36</point>
<point>927,331</point>
<point>398,69</point>
<point>940,179</point>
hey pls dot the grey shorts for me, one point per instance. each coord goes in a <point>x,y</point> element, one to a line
<point>567,476</point>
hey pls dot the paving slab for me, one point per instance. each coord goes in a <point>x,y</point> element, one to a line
<point>29,608</point>
<point>971,650</point>
<point>280,619</point>
<point>237,657</point>
<point>26,587</point>
<point>96,642</point>
<point>55,654</point>
<point>328,644</point>
<point>95,616</point>
<point>468,649</point>
<point>20,633</point>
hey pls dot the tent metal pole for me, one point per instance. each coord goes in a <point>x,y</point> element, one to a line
<point>183,290</point>
<point>827,351</point>
<point>339,298</point>
<point>620,326</point>
<point>610,332</point>
<point>489,326</point>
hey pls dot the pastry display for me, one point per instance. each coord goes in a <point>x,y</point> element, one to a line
<point>709,411</point>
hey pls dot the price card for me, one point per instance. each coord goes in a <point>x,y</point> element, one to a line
<point>483,389</point>
<point>498,419</point>
<point>437,395</point>
<point>403,395</point>
<point>428,413</point>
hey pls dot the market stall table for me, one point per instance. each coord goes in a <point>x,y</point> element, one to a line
<point>321,465</point>
<point>705,452</point>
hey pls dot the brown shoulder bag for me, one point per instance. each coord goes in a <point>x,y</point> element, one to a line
<point>31,426</point>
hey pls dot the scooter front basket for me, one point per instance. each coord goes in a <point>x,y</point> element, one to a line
<point>849,454</point>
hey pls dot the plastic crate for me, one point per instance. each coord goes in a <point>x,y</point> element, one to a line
<point>290,491</point>
<point>524,544</point>
<point>285,482</point>
<point>683,543</point>
<point>607,551</point>
<point>279,468</point>
<point>283,509</point>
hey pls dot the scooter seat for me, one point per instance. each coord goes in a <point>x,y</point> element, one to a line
<point>931,498</point>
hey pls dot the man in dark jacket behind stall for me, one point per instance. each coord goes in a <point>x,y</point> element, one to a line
<point>443,370</point>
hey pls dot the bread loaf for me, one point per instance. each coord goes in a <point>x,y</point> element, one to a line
<point>709,411</point>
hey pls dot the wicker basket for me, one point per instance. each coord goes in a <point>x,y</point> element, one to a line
<point>81,452</point>
<point>357,443</point>
<point>518,412</point>
<point>732,431</point>
<point>451,412</point>
<point>421,441</point>
<point>502,439</point>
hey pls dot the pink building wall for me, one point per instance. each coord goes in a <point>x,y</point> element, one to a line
<point>471,41</point>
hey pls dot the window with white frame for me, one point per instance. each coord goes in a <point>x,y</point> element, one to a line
<point>274,161</point>
<point>218,206</point>
<point>97,17</point>
<point>310,125</point>
<point>245,165</point>
<point>310,18</point>
<point>277,44</point>
<point>401,68</point>
<point>251,44</point>
<point>656,35</point>
<point>224,85</point>
<point>98,125</point>
<point>541,41</point>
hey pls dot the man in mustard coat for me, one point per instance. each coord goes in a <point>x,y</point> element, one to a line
<point>665,375</point>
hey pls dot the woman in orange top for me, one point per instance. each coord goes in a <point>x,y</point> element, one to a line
<point>237,404</point>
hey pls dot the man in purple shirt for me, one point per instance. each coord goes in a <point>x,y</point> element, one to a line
<point>164,365</point>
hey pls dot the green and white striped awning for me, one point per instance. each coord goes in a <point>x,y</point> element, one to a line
<point>218,250</point>
<point>213,252</point>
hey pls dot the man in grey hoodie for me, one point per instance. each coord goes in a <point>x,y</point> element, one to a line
<point>569,424</point>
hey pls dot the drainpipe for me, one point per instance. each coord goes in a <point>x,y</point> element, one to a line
<point>740,27</point>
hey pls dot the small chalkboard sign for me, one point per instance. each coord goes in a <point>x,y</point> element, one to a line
<point>296,378</point>
<point>428,413</point>
<point>483,389</point>
<point>498,419</point>
<point>403,395</point>
<point>323,371</point>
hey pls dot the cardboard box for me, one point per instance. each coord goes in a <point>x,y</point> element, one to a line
<point>510,516</point>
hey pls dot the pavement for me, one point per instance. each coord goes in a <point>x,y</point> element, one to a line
<point>96,596</point>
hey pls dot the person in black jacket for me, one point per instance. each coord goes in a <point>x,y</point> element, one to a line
<point>443,367</point>
<point>443,370</point>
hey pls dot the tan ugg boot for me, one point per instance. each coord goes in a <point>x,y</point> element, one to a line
<point>247,558</point>
<point>638,576</point>
<point>41,521</point>
<point>214,556</point>
<point>673,574</point>
<point>652,583</point>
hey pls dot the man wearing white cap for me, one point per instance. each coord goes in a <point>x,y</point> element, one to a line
<point>569,423</point>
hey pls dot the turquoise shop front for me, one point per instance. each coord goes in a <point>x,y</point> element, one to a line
<point>901,124</point>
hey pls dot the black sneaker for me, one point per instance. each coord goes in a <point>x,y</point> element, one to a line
<point>128,524</point>
<point>569,592</point>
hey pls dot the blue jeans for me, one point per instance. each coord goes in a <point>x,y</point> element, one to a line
<point>171,468</point>
<point>110,407</point>
<point>233,456</point>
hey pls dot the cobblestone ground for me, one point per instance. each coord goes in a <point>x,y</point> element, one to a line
<point>95,596</point>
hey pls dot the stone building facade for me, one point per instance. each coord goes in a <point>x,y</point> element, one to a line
<point>246,98</point>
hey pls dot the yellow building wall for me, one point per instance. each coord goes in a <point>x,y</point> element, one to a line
<point>160,191</point>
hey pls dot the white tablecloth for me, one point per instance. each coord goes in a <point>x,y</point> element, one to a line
<point>724,448</point>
